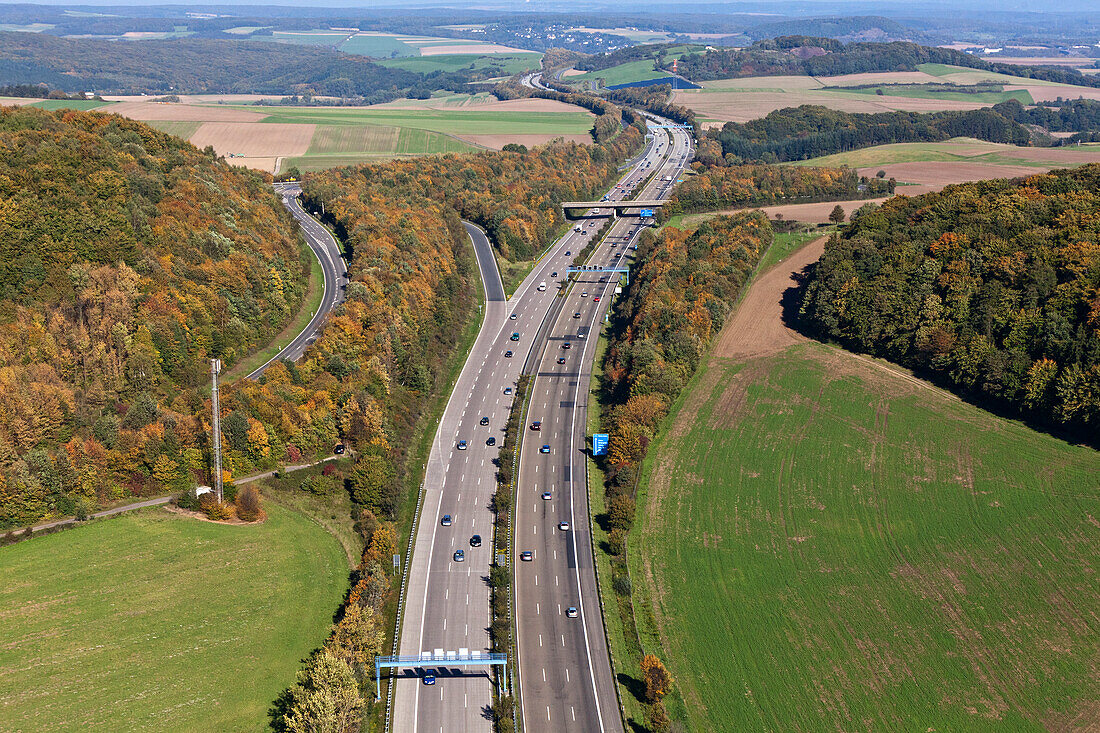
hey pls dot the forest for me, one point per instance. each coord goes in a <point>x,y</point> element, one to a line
<point>809,131</point>
<point>716,187</point>
<point>127,259</point>
<point>991,287</point>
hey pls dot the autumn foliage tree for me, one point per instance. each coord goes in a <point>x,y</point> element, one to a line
<point>127,259</point>
<point>658,682</point>
<point>992,286</point>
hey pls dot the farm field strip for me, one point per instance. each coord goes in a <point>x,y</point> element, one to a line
<point>155,621</point>
<point>466,121</point>
<point>958,150</point>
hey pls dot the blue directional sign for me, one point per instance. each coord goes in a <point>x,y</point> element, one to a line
<point>647,212</point>
<point>599,444</point>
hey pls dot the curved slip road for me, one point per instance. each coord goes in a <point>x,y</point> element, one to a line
<point>328,254</point>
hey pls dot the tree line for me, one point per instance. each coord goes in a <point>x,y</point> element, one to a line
<point>716,187</point>
<point>773,57</point>
<point>992,287</point>
<point>810,131</point>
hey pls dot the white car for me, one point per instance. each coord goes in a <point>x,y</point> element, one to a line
<point>563,526</point>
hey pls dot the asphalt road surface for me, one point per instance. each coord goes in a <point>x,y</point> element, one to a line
<point>447,603</point>
<point>332,265</point>
<point>566,681</point>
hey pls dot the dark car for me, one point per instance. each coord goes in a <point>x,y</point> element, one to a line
<point>567,253</point>
<point>429,679</point>
<point>339,449</point>
<point>561,359</point>
<point>515,336</point>
<point>567,345</point>
<point>460,556</point>
<point>484,420</point>
<point>490,440</point>
<point>446,521</point>
<point>475,541</point>
<point>526,556</point>
<point>536,425</point>
<point>508,354</point>
<point>544,449</point>
<point>577,314</point>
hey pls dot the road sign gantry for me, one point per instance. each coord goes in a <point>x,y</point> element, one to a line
<point>434,659</point>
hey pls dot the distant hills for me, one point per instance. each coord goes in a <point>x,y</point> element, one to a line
<point>209,66</point>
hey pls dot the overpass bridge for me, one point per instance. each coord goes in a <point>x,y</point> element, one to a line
<point>618,206</point>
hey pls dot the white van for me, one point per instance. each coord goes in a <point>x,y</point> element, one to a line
<point>542,286</point>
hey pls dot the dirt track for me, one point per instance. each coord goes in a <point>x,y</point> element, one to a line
<point>756,327</point>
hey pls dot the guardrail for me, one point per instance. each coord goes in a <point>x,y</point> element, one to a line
<point>401,601</point>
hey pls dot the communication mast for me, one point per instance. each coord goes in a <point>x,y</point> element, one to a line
<point>674,77</point>
<point>215,369</point>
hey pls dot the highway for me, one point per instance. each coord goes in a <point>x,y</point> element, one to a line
<point>447,601</point>
<point>566,681</point>
<point>332,265</point>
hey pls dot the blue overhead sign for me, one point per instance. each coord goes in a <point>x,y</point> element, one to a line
<point>599,444</point>
<point>647,212</point>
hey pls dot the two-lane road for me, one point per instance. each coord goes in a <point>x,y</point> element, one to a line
<point>332,266</point>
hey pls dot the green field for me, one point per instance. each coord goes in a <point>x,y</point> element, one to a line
<point>151,621</point>
<point>318,38</point>
<point>622,74</point>
<point>338,145</point>
<point>825,544</point>
<point>506,63</point>
<point>956,150</point>
<point>81,104</point>
<point>897,90</point>
<point>455,122</point>
<point>379,47</point>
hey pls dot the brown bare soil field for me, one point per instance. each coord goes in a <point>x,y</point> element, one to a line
<point>756,327</point>
<point>496,142</point>
<point>254,139</point>
<point>1050,92</point>
<point>1043,60</point>
<point>18,101</point>
<point>932,176</point>
<point>183,112</point>
<point>267,163</point>
<point>742,106</point>
<point>891,77</point>
<point>468,48</point>
<point>815,213</point>
<point>572,72</point>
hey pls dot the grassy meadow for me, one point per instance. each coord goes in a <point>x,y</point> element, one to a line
<point>823,543</point>
<point>455,122</point>
<point>152,621</point>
